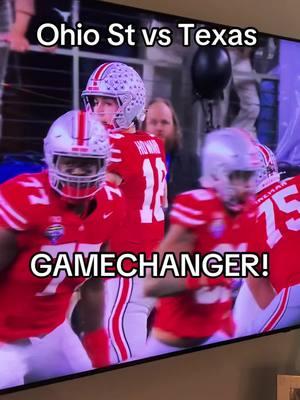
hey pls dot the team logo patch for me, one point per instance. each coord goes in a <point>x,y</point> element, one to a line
<point>217,228</point>
<point>54,233</point>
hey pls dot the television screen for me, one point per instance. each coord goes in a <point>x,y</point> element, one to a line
<point>149,190</point>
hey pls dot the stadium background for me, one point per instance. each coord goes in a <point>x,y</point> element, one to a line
<point>41,86</point>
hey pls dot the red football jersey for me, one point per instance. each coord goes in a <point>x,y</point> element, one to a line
<point>199,314</point>
<point>139,158</point>
<point>279,231</point>
<point>32,306</point>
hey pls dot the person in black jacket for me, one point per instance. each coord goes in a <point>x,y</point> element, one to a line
<point>183,166</point>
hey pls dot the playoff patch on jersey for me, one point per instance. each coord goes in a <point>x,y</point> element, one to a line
<point>217,228</point>
<point>54,233</point>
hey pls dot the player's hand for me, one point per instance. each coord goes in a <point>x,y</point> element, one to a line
<point>96,346</point>
<point>17,41</point>
<point>193,283</point>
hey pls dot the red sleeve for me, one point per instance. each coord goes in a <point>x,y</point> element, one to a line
<point>116,204</point>
<point>188,211</point>
<point>117,162</point>
<point>120,212</point>
<point>255,227</point>
<point>14,205</point>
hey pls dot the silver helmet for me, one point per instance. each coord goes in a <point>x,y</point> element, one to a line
<point>76,136</point>
<point>123,83</point>
<point>227,151</point>
<point>268,173</point>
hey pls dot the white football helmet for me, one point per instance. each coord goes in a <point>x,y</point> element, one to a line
<point>123,83</point>
<point>268,173</point>
<point>76,135</point>
<point>227,151</point>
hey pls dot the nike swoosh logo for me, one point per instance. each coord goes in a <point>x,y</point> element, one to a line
<point>105,216</point>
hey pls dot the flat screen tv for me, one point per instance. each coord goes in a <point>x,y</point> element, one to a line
<point>149,189</point>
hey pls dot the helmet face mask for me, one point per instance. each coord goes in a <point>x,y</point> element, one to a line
<point>77,151</point>
<point>123,83</point>
<point>77,178</point>
<point>238,190</point>
<point>230,161</point>
<point>106,110</point>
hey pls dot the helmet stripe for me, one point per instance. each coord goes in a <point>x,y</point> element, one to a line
<point>100,71</point>
<point>81,128</point>
<point>265,153</point>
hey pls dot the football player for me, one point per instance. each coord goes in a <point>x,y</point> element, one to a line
<point>217,218</point>
<point>115,94</point>
<point>278,233</point>
<point>64,209</point>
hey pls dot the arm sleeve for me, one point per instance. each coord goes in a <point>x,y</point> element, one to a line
<point>117,162</point>
<point>14,210</point>
<point>187,212</point>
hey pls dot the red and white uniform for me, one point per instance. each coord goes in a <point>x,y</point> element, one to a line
<point>200,314</point>
<point>139,159</point>
<point>278,226</point>
<point>33,307</point>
